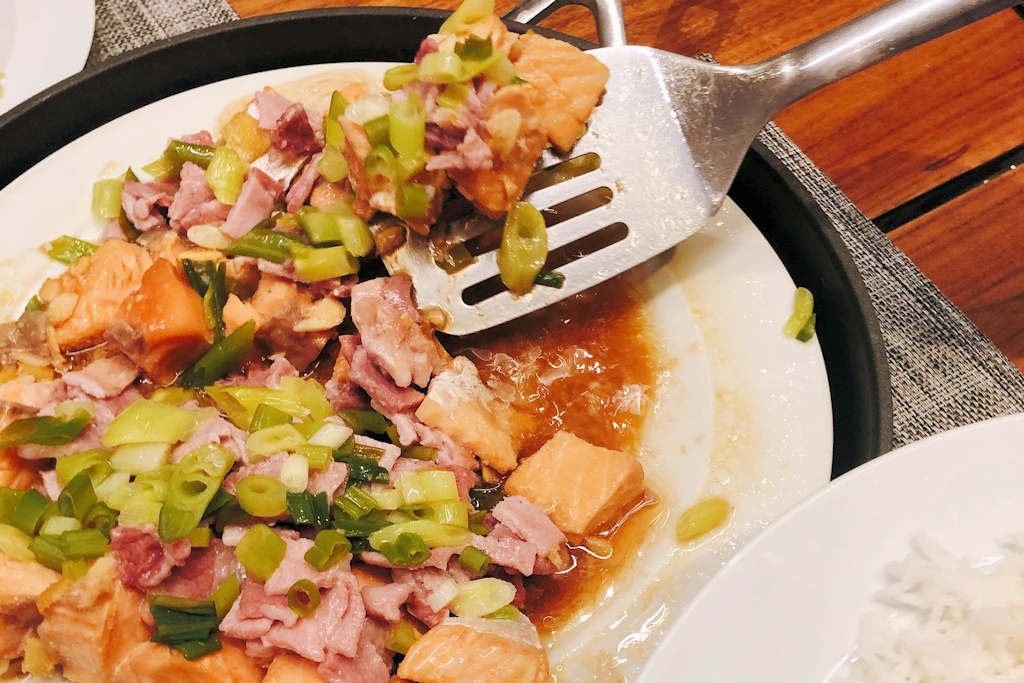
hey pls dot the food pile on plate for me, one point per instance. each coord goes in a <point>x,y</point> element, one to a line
<point>232,450</point>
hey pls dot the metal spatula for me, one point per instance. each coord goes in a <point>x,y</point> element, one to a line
<point>659,154</point>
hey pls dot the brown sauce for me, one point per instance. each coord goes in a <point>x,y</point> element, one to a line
<point>586,365</point>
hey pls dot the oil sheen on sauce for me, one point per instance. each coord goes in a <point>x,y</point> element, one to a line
<point>586,365</point>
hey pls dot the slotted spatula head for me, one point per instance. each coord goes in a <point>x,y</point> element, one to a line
<point>660,153</point>
<point>643,195</point>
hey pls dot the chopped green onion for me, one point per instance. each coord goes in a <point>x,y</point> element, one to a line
<point>198,274</point>
<point>501,70</point>
<point>9,499</point>
<point>189,626</point>
<point>425,453</point>
<point>140,457</point>
<point>213,301</point>
<point>468,13</point>
<point>106,198</point>
<point>83,543</point>
<point>398,76</point>
<point>162,168</point>
<point>219,500</point>
<point>381,163</point>
<point>807,331</point>
<point>702,518</point>
<point>426,486</point>
<point>406,125</point>
<point>331,435</point>
<point>455,258</point>
<point>363,470</point>
<point>355,234</point>
<point>338,105</point>
<point>347,448</point>
<point>453,95</point>
<point>48,551</point>
<point>405,550</point>
<point>803,309</point>
<point>317,457</point>
<point>401,637</point>
<point>194,649</point>
<point>199,537</point>
<point>77,497</point>
<point>453,512</point>
<point>412,201</point>
<point>67,249</point>
<point>474,559</point>
<point>261,242</point>
<point>283,437</point>
<point>549,278</point>
<point>482,596</point>
<point>102,517</point>
<point>147,421</point>
<point>225,175</point>
<point>329,548</point>
<point>334,136</point>
<point>442,67</point>
<point>295,473</point>
<point>30,511</point>
<point>225,595</point>
<point>524,247</point>
<point>325,263</point>
<point>73,570</point>
<point>179,151</point>
<point>432,533</point>
<point>506,613</point>
<point>367,525</point>
<point>231,514</point>
<point>221,358</point>
<point>268,416</point>
<point>406,167</point>
<point>364,421</point>
<point>260,551</point>
<point>486,497</point>
<point>34,304</point>
<point>47,431</point>
<point>377,130</point>
<point>14,543</point>
<point>262,496</point>
<point>356,503</point>
<point>319,225</point>
<point>194,481</point>
<point>56,525</point>
<point>303,597</point>
<point>307,508</point>
<point>332,165</point>
<point>476,523</point>
<point>174,396</point>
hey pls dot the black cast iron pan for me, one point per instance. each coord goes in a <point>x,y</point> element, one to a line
<point>766,191</point>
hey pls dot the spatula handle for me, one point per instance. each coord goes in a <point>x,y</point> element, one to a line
<point>870,38</point>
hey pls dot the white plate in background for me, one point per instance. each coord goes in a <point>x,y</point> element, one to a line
<point>788,607</point>
<point>41,42</point>
<point>740,411</point>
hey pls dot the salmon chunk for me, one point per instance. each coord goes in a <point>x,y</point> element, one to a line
<point>571,83</point>
<point>580,486</point>
<point>288,668</point>
<point>161,326</point>
<point>156,663</point>
<point>279,306</point>
<point>512,114</point>
<point>457,653</point>
<point>459,405</point>
<point>21,583</point>
<point>92,290</point>
<point>92,624</point>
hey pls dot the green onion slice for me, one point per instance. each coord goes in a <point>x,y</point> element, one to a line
<point>260,551</point>
<point>329,548</point>
<point>262,496</point>
<point>524,248</point>
<point>46,430</point>
<point>474,559</point>
<point>303,597</point>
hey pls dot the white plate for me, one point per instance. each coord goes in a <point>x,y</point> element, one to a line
<point>41,42</point>
<point>741,412</point>
<point>788,607</point>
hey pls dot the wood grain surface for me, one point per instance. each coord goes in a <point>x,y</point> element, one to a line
<point>885,135</point>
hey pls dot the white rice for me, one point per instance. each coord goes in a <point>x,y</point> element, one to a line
<point>953,621</point>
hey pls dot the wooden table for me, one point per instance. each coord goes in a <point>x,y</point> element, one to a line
<point>930,143</point>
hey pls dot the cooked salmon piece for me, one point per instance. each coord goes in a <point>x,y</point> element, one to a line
<point>493,191</point>
<point>91,624</point>
<point>161,326</point>
<point>156,663</point>
<point>92,289</point>
<point>580,486</point>
<point>288,668</point>
<point>21,583</point>
<point>237,313</point>
<point>454,653</point>
<point>570,81</point>
<point>280,305</point>
<point>461,406</point>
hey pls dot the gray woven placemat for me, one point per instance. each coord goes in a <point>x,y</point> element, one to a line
<point>944,372</point>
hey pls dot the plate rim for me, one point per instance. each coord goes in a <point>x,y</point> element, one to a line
<point>60,110</point>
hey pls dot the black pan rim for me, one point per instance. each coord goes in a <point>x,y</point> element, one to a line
<point>46,122</point>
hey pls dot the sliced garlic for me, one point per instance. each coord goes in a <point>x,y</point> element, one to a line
<point>208,236</point>
<point>325,314</point>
